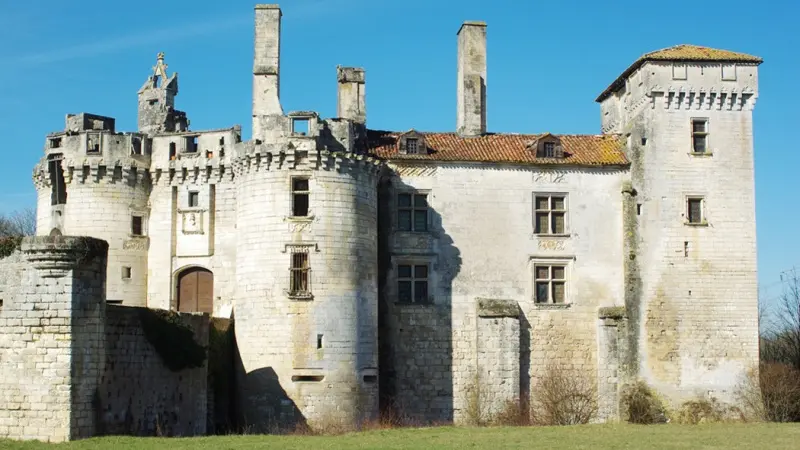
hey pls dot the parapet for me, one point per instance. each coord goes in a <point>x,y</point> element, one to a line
<point>89,122</point>
<point>54,255</point>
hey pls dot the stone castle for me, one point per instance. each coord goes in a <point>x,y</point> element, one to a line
<point>411,270</point>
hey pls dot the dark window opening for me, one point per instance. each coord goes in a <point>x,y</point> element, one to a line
<point>319,341</point>
<point>137,226</point>
<point>172,152</point>
<point>152,101</point>
<point>685,249</point>
<point>695,210</point>
<point>370,378</point>
<point>551,213</point>
<point>644,141</point>
<point>638,209</point>
<point>136,146</point>
<point>699,135</point>
<point>55,142</point>
<point>222,153</point>
<point>301,127</point>
<point>551,283</point>
<point>126,273</point>
<point>412,146</point>
<point>548,150</point>
<point>412,212</point>
<point>298,275</point>
<point>412,284</point>
<point>300,197</point>
<point>307,378</point>
<point>222,140</point>
<point>194,199</point>
<point>191,144</point>
<point>58,187</point>
<point>93,143</point>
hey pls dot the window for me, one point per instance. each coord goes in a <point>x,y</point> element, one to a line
<point>136,146</point>
<point>679,71</point>
<point>191,144</point>
<point>298,274</point>
<point>551,212</point>
<point>699,135</point>
<point>412,283</point>
<point>55,142</point>
<point>171,150</point>
<point>729,72</point>
<point>549,149</point>
<point>137,226</point>
<point>222,141</point>
<point>300,192</point>
<point>551,281</point>
<point>412,212</point>
<point>93,142</point>
<point>126,273</point>
<point>194,199</point>
<point>301,126</point>
<point>694,210</point>
<point>412,146</point>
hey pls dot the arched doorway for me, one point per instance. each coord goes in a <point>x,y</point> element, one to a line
<point>196,290</point>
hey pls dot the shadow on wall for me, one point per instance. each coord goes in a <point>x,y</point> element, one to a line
<point>415,338</point>
<point>278,413</point>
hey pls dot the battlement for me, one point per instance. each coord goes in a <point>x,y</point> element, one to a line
<point>258,157</point>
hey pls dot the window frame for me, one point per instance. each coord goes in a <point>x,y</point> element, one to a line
<point>413,279</point>
<point>142,225</point>
<point>704,134</point>
<point>294,193</point>
<point>687,210</point>
<point>193,195</point>
<point>542,260</point>
<point>303,272</point>
<point>550,211</point>
<point>413,209</point>
<point>409,149</point>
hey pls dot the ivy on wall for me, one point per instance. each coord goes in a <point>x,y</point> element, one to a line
<point>172,339</point>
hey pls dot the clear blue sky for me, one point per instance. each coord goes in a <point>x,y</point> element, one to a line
<point>547,63</point>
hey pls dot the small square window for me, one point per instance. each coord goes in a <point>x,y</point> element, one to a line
<point>300,197</point>
<point>137,226</point>
<point>126,273</point>
<point>301,126</point>
<point>694,210</point>
<point>194,199</point>
<point>551,280</point>
<point>55,142</point>
<point>412,212</point>
<point>729,72</point>
<point>412,146</point>
<point>412,283</point>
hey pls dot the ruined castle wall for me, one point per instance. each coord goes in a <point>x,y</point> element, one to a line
<point>307,358</point>
<point>696,329</point>
<point>140,395</point>
<point>481,244</point>
<point>51,340</point>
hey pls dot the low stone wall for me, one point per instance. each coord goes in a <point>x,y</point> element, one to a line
<point>139,394</point>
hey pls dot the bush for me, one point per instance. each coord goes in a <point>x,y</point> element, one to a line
<point>563,397</point>
<point>771,393</point>
<point>700,410</point>
<point>642,405</point>
<point>9,245</point>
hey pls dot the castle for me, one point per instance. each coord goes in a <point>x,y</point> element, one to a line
<point>408,269</point>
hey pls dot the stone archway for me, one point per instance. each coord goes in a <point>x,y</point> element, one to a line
<point>196,290</point>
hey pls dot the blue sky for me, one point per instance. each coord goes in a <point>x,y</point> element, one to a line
<point>547,63</point>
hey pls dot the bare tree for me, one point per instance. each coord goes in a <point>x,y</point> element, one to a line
<point>18,223</point>
<point>782,343</point>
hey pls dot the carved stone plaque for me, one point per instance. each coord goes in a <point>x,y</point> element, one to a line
<point>549,177</point>
<point>551,244</point>
<point>192,221</point>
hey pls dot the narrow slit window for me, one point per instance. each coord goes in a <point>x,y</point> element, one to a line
<point>551,281</point>
<point>58,185</point>
<point>300,195</point>
<point>699,135</point>
<point>412,283</point>
<point>412,212</point>
<point>299,274</point>
<point>319,341</point>
<point>551,214</point>
<point>172,151</point>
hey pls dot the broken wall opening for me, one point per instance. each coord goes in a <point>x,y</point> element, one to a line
<point>58,186</point>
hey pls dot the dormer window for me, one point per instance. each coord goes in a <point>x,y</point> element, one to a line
<point>412,143</point>
<point>549,149</point>
<point>412,146</point>
<point>548,146</point>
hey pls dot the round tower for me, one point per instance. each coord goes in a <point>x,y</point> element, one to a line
<point>307,284</point>
<point>94,182</point>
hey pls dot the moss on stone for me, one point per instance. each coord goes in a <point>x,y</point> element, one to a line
<point>488,307</point>
<point>611,312</point>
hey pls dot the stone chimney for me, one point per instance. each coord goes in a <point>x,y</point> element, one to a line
<point>351,102</point>
<point>266,62</point>
<point>471,118</point>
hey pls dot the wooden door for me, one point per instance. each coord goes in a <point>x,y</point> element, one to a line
<point>196,290</point>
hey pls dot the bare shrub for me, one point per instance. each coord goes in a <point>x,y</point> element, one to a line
<point>771,393</point>
<point>18,223</point>
<point>642,405</point>
<point>563,397</point>
<point>512,413</point>
<point>701,410</point>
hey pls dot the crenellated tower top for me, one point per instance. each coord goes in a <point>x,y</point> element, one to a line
<point>157,113</point>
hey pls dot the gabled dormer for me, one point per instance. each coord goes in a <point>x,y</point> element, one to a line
<point>547,146</point>
<point>412,143</point>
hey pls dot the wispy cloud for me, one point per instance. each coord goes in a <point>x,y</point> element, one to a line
<point>112,44</point>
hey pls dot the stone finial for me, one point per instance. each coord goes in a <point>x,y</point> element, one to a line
<point>160,69</point>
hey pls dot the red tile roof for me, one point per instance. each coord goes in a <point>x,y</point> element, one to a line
<point>580,150</point>
<point>685,53</point>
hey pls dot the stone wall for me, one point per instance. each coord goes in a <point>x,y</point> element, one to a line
<point>498,358</point>
<point>139,394</point>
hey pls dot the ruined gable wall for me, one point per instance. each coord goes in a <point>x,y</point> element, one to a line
<point>481,244</point>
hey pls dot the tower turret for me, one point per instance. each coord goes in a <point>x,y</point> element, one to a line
<point>157,113</point>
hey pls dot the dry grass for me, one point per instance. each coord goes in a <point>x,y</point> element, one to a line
<point>563,397</point>
<point>771,393</point>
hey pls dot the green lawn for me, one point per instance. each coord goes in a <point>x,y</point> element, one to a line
<point>722,436</point>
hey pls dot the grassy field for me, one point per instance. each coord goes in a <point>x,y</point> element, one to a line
<point>722,436</point>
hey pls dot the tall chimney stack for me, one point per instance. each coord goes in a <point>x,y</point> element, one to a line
<point>351,102</point>
<point>471,118</point>
<point>266,63</point>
